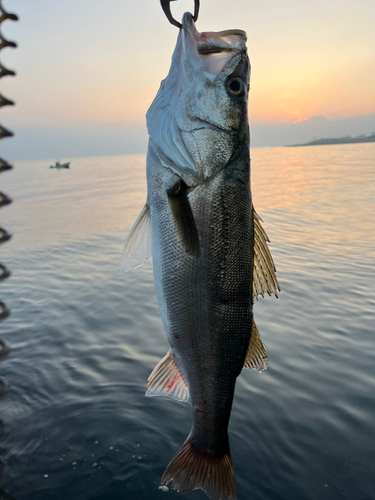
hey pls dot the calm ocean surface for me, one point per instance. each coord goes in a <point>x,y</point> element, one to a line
<point>85,336</point>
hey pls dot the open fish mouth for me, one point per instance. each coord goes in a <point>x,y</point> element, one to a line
<point>209,52</point>
<point>210,42</point>
<point>223,41</point>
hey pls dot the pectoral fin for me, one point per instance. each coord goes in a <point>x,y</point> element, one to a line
<point>256,357</point>
<point>166,380</point>
<point>137,248</point>
<point>264,277</point>
<point>183,218</point>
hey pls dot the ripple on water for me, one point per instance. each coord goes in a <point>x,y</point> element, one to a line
<point>85,337</point>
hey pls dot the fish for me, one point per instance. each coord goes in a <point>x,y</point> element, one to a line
<point>210,252</point>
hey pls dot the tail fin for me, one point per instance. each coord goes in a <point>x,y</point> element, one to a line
<point>190,470</point>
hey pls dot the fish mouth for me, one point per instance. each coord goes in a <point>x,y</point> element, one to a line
<point>210,42</point>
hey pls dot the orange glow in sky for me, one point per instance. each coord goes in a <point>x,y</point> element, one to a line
<point>104,68</point>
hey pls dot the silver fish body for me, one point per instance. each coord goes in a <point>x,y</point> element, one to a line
<point>206,301</point>
<point>199,210</point>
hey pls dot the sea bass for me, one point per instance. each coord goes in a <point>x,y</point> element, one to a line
<point>210,255</point>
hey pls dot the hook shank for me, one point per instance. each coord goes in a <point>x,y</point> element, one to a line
<point>167,11</point>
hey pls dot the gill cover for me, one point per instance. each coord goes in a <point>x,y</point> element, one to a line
<point>193,117</point>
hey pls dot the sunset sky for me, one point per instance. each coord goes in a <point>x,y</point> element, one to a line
<point>89,63</point>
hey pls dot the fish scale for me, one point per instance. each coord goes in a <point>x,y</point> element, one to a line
<point>208,247</point>
<point>212,315</point>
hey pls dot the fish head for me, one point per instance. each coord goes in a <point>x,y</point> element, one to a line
<point>198,119</point>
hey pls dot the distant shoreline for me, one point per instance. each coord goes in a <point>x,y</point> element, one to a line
<point>341,140</point>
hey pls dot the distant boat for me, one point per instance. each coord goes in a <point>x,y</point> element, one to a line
<point>60,165</point>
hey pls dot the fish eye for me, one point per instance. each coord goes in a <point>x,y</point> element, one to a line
<point>236,87</point>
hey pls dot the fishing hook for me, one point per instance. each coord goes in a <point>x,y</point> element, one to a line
<point>167,11</point>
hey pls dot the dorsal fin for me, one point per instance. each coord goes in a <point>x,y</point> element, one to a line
<point>256,356</point>
<point>264,277</point>
<point>137,248</point>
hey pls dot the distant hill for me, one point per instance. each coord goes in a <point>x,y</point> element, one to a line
<point>338,140</point>
<point>73,141</point>
<point>280,134</point>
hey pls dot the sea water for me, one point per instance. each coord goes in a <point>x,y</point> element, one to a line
<point>85,336</point>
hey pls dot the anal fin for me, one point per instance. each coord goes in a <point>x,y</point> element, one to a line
<point>166,380</point>
<point>256,356</point>
<point>137,248</point>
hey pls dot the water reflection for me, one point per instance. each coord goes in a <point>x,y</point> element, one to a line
<point>95,196</point>
<point>85,337</point>
<point>332,186</point>
<point>318,196</point>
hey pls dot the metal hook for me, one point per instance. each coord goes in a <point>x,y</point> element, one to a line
<point>167,11</point>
